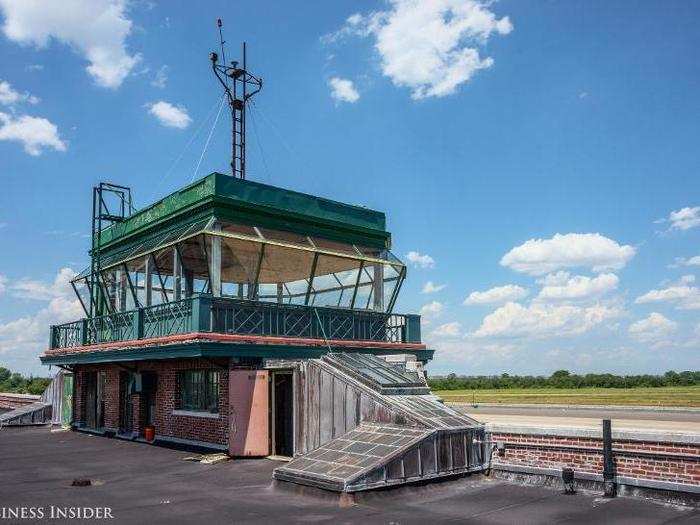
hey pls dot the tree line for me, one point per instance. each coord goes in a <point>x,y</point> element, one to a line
<point>563,379</point>
<point>16,383</point>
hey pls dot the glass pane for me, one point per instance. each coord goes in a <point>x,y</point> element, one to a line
<point>391,281</point>
<point>334,281</point>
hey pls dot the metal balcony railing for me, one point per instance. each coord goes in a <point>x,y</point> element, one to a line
<point>204,313</point>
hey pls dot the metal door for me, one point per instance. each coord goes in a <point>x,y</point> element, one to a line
<point>248,413</point>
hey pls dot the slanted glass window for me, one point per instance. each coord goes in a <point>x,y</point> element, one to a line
<point>199,390</point>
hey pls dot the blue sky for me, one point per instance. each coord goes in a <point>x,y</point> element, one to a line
<point>538,158</point>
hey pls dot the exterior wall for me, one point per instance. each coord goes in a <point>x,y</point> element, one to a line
<point>196,428</point>
<point>640,458</point>
<point>205,428</point>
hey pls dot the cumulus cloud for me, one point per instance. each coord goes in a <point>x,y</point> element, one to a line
<point>432,309</point>
<point>170,115</point>
<point>684,296</point>
<point>683,219</point>
<point>653,328</point>
<point>543,320</point>
<point>562,286</point>
<point>431,47</point>
<point>683,261</point>
<point>431,287</point>
<point>588,250</point>
<point>9,96</point>
<point>34,133</point>
<point>420,260</point>
<point>42,291</point>
<point>447,330</point>
<point>23,339</point>
<point>498,294</point>
<point>343,90</point>
<point>96,29</point>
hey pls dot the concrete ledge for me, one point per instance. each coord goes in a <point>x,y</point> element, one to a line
<point>189,443</point>
<point>624,435</point>
<point>193,413</point>
<point>589,476</point>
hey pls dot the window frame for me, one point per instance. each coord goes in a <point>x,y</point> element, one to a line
<point>203,394</point>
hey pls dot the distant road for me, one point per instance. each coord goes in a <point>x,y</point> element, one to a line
<point>586,417</point>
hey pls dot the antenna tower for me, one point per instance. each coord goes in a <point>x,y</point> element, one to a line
<point>239,86</point>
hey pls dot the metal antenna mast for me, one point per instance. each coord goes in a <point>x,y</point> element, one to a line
<point>243,85</point>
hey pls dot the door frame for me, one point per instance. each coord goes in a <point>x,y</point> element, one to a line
<point>273,444</point>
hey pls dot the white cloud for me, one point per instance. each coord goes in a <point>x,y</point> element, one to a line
<point>498,294</point>
<point>432,309</point>
<point>447,330</point>
<point>169,115</point>
<point>97,29</point>
<point>693,261</point>
<point>543,320</point>
<point>653,328</point>
<point>34,133</point>
<point>43,291</point>
<point>685,297</point>
<point>420,260</point>
<point>684,219</point>
<point>589,250</point>
<point>3,283</point>
<point>429,47</point>
<point>343,90</point>
<point>10,97</point>
<point>577,287</point>
<point>23,339</point>
<point>431,287</point>
<point>161,78</point>
<point>34,67</point>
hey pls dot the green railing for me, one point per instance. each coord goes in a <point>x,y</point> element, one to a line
<point>204,313</point>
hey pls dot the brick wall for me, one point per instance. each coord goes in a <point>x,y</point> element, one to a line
<point>674,462</point>
<point>167,424</point>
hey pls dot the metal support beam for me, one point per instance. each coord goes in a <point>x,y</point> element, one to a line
<point>177,274</point>
<point>357,285</point>
<point>378,287</point>
<point>121,286</point>
<point>148,281</point>
<point>311,278</point>
<point>253,287</point>
<point>163,293</point>
<point>215,262</point>
<point>280,293</point>
<point>397,288</point>
<point>82,303</point>
<point>130,283</point>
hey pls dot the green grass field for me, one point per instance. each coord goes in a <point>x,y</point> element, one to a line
<point>682,396</point>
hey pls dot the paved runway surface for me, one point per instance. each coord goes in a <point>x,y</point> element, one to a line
<point>146,484</point>
<point>585,417</point>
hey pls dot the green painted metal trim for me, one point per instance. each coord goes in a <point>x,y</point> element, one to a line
<point>256,204</point>
<point>213,349</point>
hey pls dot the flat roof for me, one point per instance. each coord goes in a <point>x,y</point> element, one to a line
<point>257,204</point>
